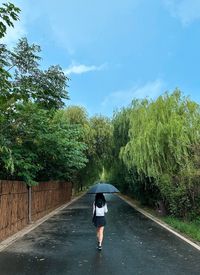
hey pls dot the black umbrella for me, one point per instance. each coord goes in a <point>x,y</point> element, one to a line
<point>103,188</point>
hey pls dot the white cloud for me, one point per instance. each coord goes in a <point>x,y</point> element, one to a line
<point>81,68</point>
<point>124,97</point>
<point>186,11</point>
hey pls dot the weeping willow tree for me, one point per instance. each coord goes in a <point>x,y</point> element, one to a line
<point>164,140</point>
<point>127,178</point>
<point>99,139</point>
<point>118,173</point>
<point>96,133</point>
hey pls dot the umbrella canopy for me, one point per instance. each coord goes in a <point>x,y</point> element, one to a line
<point>103,188</point>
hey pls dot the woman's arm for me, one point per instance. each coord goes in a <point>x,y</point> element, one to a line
<point>93,208</point>
<point>105,208</point>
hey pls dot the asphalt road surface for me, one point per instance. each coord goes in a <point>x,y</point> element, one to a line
<point>66,244</point>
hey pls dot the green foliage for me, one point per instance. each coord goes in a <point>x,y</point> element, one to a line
<point>98,138</point>
<point>101,133</point>
<point>76,115</point>
<point>118,173</point>
<point>190,228</point>
<point>150,149</point>
<point>6,159</point>
<point>163,135</point>
<point>8,14</point>
<point>43,147</point>
<point>128,180</point>
<point>63,149</point>
<point>95,134</point>
<point>28,82</point>
<point>36,142</point>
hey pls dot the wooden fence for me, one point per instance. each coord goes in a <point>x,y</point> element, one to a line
<point>15,210</point>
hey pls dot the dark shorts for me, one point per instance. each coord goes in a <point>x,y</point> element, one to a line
<point>99,221</point>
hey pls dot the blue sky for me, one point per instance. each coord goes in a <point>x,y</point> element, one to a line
<point>114,51</point>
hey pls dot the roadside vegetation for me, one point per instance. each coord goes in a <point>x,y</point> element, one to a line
<point>40,138</point>
<point>189,228</point>
<point>157,158</point>
<point>156,148</point>
<point>150,149</point>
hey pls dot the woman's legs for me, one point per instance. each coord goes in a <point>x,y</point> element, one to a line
<point>98,234</point>
<point>100,230</point>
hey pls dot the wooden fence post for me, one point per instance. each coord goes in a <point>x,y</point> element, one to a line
<point>29,204</point>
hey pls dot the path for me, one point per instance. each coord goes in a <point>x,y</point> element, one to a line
<point>66,244</point>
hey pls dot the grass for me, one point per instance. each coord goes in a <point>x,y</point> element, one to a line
<point>189,228</point>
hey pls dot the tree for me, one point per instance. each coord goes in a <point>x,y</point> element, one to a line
<point>101,132</point>
<point>118,172</point>
<point>76,115</point>
<point>29,83</point>
<point>9,13</point>
<point>26,84</point>
<point>98,140</point>
<point>35,142</point>
<point>96,134</point>
<point>162,135</point>
<point>63,149</point>
<point>43,147</point>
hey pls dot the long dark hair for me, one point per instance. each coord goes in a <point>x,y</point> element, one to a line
<point>100,197</point>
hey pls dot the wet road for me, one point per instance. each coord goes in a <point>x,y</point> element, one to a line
<point>66,244</point>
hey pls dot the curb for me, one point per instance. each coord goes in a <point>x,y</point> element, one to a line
<point>10,240</point>
<point>161,223</point>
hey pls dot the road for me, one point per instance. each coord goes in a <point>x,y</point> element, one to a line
<point>66,244</point>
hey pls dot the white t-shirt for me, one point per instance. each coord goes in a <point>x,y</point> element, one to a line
<point>100,211</point>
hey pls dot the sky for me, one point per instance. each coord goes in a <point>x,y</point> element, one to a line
<point>117,50</point>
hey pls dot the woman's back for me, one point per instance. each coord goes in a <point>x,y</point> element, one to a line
<point>100,211</point>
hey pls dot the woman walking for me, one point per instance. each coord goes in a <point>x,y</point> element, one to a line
<point>99,210</point>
